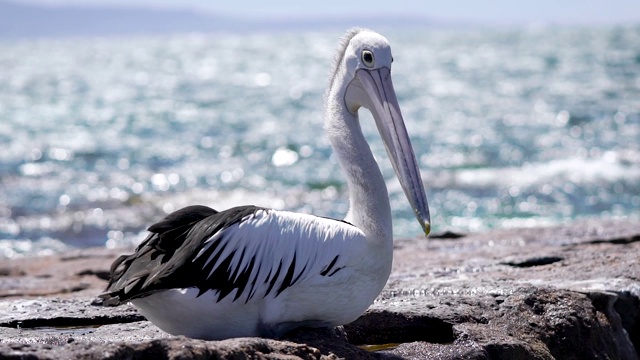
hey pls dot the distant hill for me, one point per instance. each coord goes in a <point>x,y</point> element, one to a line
<point>27,20</point>
<point>19,20</point>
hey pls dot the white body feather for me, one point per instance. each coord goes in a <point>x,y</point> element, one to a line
<point>273,237</point>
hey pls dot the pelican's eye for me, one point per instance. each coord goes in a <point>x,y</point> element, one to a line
<point>367,58</point>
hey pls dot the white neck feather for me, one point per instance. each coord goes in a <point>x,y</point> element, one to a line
<point>369,207</point>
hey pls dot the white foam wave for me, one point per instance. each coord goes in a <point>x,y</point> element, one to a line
<point>579,171</point>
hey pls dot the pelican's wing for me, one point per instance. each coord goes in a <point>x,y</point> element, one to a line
<point>248,251</point>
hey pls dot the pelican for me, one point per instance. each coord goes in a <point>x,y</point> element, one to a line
<point>253,271</point>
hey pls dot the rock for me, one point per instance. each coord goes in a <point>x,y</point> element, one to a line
<point>78,273</point>
<point>564,292</point>
<point>166,348</point>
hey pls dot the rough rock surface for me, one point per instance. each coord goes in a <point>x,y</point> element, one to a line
<point>565,292</point>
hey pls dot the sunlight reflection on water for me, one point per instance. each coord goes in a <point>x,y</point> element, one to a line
<point>511,128</point>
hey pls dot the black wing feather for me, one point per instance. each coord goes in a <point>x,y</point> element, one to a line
<point>164,260</point>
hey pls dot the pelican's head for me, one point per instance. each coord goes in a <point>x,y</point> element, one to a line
<point>365,66</point>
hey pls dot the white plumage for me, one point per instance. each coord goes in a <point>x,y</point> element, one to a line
<point>324,255</point>
<point>250,271</point>
<point>280,230</point>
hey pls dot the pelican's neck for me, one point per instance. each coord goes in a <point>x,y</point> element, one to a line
<point>369,207</point>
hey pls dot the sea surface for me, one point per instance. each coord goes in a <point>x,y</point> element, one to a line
<point>512,127</point>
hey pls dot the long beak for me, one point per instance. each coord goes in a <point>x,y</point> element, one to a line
<point>385,109</point>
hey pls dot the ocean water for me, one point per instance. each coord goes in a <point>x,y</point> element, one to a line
<point>512,127</point>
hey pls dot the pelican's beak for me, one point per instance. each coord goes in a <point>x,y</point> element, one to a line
<point>381,101</point>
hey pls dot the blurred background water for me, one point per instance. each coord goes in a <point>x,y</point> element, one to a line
<point>102,136</point>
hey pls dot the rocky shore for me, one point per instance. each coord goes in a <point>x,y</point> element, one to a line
<point>564,292</point>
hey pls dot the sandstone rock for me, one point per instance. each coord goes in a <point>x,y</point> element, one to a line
<point>564,292</point>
